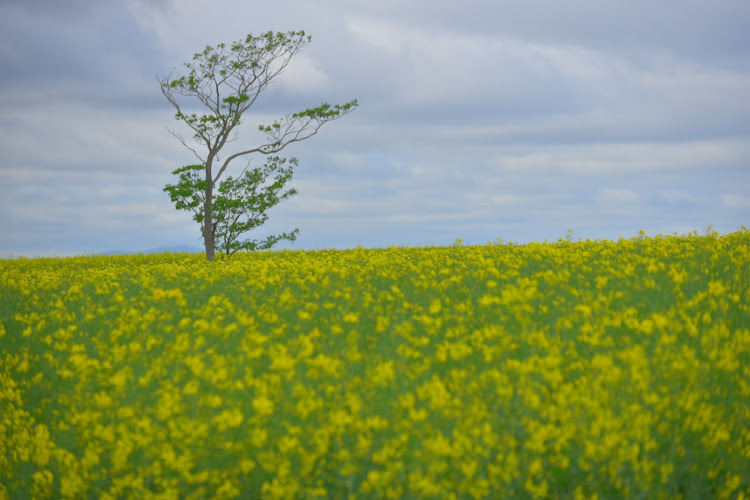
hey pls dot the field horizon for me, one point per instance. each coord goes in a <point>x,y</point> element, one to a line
<point>193,249</point>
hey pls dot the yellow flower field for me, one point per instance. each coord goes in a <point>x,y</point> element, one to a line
<point>565,370</point>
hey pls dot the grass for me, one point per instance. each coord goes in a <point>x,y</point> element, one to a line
<point>566,370</point>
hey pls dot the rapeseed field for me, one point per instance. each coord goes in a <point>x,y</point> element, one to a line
<point>589,369</point>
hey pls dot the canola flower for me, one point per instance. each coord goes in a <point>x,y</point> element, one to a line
<point>589,369</point>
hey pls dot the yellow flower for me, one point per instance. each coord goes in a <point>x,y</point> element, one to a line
<point>228,419</point>
<point>351,317</point>
<point>435,307</point>
<point>263,406</point>
<point>383,374</point>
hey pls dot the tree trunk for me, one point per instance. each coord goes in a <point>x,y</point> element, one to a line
<point>208,223</point>
<point>208,214</point>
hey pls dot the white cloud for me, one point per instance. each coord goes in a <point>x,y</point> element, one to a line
<point>677,196</point>
<point>630,158</point>
<point>616,197</point>
<point>380,35</point>
<point>736,201</point>
<point>67,136</point>
<point>304,77</point>
<point>509,200</point>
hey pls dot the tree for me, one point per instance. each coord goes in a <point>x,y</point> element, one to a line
<point>239,205</point>
<point>228,82</point>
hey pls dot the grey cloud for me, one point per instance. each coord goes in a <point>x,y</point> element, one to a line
<point>477,120</point>
<point>90,51</point>
<point>714,32</point>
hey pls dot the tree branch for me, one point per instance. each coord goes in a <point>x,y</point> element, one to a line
<point>182,140</point>
<point>293,126</point>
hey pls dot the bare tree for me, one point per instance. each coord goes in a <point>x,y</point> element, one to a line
<point>228,82</point>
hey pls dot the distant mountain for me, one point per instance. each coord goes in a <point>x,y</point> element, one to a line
<point>165,249</point>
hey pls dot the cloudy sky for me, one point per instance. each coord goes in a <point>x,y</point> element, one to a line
<point>478,120</point>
